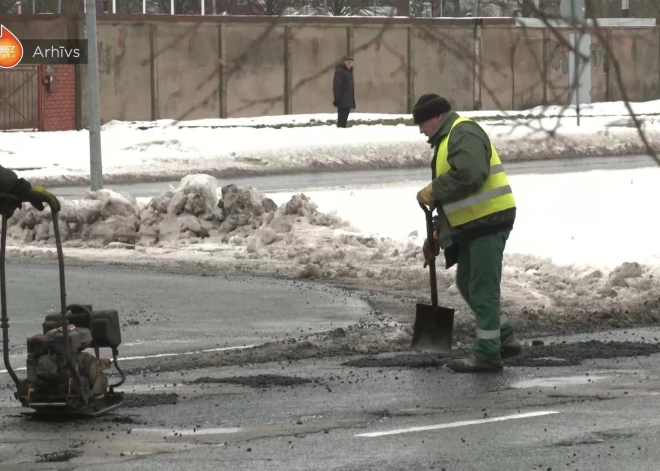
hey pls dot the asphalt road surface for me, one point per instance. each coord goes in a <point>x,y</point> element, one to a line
<point>575,403</point>
<point>390,412</point>
<point>169,313</point>
<point>296,182</point>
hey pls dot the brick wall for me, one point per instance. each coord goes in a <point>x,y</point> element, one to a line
<point>58,106</point>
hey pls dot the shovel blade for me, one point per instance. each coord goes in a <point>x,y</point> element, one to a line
<point>434,329</point>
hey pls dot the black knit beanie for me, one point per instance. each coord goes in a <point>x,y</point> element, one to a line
<point>429,106</point>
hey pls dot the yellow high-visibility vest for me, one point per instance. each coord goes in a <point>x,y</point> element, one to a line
<point>495,194</point>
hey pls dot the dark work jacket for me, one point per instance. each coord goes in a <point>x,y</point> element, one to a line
<point>469,158</point>
<point>8,180</point>
<point>10,184</point>
<point>343,87</point>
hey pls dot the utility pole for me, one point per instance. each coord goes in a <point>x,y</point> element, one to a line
<point>94,124</point>
<point>577,36</point>
<point>625,8</point>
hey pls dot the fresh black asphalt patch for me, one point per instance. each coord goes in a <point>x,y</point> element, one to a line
<point>58,456</point>
<point>406,360</point>
<point>256,381</point>
<point>561,354</point>
<point>570,354</point>
<point>149,400</point>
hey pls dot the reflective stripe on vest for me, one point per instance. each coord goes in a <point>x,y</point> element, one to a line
<point>495,194</point>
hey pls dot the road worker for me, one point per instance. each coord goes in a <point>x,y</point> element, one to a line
<point>476,211</point>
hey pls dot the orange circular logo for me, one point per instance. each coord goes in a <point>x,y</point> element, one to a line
<point>11,49</point>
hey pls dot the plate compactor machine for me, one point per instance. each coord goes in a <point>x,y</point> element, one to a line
<point>63,377</point>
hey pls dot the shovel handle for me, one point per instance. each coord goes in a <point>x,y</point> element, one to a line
<point>428,211</point>
<point>431,263</point>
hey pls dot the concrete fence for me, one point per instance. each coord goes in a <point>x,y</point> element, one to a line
<point>188,67</point>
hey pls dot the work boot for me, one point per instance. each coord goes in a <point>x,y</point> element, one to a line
<point>510,346</point>
<point>475,365</point>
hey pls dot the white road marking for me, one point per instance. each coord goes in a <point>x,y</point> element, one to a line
<point>457,424</point>
<point>162,355</point>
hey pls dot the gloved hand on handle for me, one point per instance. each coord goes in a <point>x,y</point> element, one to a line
<point>431,252</point>
<point>38,195</point>
<point>8,204</point>
<point>35,195</point>
<point>14,191</point>
<point>425,196</point>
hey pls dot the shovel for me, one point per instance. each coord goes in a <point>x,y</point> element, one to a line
<point>434,325</point>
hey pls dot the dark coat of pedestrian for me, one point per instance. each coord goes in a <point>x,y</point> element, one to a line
<point>343,87</point>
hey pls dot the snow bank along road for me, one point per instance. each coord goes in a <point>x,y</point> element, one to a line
<point>582,254</point>
<point>146,152</point>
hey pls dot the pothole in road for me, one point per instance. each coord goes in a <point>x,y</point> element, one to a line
<point>387,414</point>
<point>595,438</point>
<point>256,381</point>
<point>194,432</point>
<point>564,354</point>
<point>558,381</point>
<point>408,360</point>
<point>124,419</point>
<point>571,354</point>
<point>614,434</point>
<point>58,456</point>
<point>578,442</point>
<point>149,400</point>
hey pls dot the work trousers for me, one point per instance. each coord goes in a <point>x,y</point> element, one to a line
<point>478,277</point>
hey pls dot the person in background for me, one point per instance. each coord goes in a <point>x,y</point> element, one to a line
<point>476,212</point>
<point>343,88</point>
<point>15,191</point>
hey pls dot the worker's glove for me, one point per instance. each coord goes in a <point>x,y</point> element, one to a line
<point>431,253</point>
<point>8,205</point>
<point>38,195</point>
<point>425,196</point>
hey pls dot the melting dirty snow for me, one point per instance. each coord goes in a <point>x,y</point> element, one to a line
<point>244,231</point>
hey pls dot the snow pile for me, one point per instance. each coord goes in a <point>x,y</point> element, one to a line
<point>188,212</point>
<point>101,218</point>
<point>314,243</point>
<point>244,231</point>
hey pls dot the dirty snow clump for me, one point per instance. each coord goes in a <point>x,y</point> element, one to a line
<point>188,212</point>
<point>103,217</point>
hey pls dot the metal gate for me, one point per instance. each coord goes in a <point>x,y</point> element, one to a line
<point>19,98</point>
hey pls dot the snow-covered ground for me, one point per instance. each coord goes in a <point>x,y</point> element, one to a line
<point>600,110</point>
<point>584,243</point>
<point>143,152</point>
